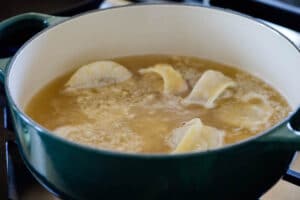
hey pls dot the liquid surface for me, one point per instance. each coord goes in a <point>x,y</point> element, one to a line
<point>135,115</point>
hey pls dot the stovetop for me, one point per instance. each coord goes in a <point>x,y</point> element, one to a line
<point>21,185</point>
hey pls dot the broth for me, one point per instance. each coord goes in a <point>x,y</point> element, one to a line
<point>135,115</point>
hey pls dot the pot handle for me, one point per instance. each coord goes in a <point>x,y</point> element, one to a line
<point>287,135</point>
<point>294,125</point>
<point>3,63</point>
<point>15,31</point>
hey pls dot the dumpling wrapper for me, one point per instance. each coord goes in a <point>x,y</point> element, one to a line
<point>98,74</point>
<point>251,113</point>
<point>195,136</point>
<point>173,81</point>
<point>208,88</point>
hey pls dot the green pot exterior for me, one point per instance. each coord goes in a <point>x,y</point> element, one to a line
<point>243,171</point>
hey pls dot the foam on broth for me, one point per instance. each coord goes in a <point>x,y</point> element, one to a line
<point>135,116</point>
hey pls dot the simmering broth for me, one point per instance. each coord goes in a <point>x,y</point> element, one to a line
<point>136,115</point>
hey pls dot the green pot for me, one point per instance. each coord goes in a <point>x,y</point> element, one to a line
<point>244,170</point>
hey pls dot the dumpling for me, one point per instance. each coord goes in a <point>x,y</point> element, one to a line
<point>98,74</point>
<point>208,88</point>
<point>173,81</point>
<point>252,112</point>
<point>195,136</point>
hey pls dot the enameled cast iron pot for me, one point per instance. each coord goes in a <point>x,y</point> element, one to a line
<point>242,170</point>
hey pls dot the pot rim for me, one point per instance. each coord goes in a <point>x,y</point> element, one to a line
<point>115,153</point>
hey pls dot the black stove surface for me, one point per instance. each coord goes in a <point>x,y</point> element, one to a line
<point>281,12</point>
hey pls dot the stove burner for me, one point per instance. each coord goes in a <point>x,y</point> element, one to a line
<point>282,12</point>
<point>6,137</point>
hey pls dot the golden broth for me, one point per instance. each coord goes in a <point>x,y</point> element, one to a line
<point>135,116</point>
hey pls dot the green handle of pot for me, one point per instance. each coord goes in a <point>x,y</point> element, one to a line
<point>3,63</point>
<point>286,135</point>
<point>15,31</point>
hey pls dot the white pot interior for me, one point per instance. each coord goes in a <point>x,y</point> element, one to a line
<point>157,29</point>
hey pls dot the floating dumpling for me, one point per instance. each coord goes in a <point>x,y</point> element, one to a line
<point>173,81</point>
<point>208,88</point>
<point>251,112</point>
<point>195,136</point>
<point>98,74</point>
